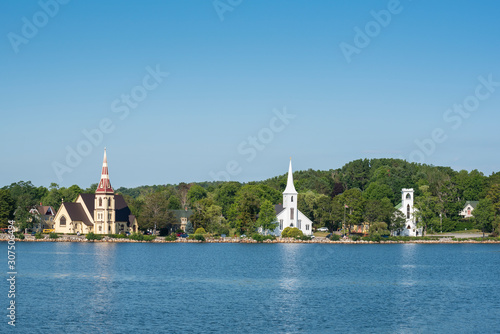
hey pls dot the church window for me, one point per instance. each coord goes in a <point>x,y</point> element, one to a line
<point>62,222</point>
<point>291,214</point>
<point>109,215</point>
<point>100,228</point>
<point>409,227</point>
<point>109,228</point>
<point>292,198</point>
<point>408,211</point>
<point>100,201</point>
<point>109,202</point>
<point>408,196</point>
<point>281,224</point>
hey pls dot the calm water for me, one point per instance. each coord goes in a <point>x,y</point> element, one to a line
<point>286,288</point>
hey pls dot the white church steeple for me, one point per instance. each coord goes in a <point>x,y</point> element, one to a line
<point>290,188</point>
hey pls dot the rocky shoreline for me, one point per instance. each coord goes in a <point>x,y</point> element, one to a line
<point>74,238</point>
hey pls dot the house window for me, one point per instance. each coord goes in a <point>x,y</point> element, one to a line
<point>307,227</point>
<point>408,211</point>
<point>62,221</point>
<point>281,224</point>
<point>468,212</point>
<point>299,223</point>
<point>291,214</point>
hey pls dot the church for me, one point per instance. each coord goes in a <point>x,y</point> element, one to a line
<point>100,213</point>
<point>406,206</point>
<point>287,214</point>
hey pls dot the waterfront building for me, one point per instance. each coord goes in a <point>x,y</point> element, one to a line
<point>102,212</point>
<point>407,208</point>
<point>287,214</point>
<point>468,208</point>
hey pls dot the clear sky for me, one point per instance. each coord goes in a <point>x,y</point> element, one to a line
<point>249,84</point>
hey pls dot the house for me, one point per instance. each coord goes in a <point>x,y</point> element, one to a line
<point>287,214</point>
<point>182,217</point>
<point>468,208</point>
<point>46,214</point>
<point>407,208</point>
<point>102,212</point>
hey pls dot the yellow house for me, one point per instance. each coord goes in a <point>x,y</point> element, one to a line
<point>101,213</point>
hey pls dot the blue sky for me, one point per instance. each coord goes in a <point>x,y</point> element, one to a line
<point>232,67</point>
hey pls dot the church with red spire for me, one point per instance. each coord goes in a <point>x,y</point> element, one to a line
<point>103,212</point>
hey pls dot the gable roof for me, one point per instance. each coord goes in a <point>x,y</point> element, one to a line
<point>122,211</point>
<point>45,210</point>
<point>472,203</point>
<point>278,208</point>
<point>399,205</point>
<point>88,199</point>
<point>77,213</point>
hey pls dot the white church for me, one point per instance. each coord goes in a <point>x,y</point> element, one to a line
<point>406,206</point>
<point>287,214</point>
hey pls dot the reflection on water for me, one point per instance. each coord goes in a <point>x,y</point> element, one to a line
<point>283,288</point>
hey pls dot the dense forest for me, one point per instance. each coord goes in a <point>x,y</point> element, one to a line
<point>362,191</point>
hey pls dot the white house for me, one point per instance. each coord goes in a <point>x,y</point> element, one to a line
<point>468,208</point>
<point>287,214</point>
<point>407,208</point>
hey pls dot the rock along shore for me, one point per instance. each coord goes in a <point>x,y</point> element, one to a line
<point>74,238</point>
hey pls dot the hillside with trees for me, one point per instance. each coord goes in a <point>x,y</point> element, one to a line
<point>362,191</point>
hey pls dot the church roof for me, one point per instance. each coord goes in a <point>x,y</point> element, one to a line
<point>77,213</point>
<point>278,208</point>
<point>122,211</point>
<point>290,188</point>
<point>88,199</point>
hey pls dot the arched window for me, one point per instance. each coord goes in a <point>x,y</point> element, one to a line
<point>292,198</point>
<point>62,221</point>
<point>291,214</point>
<point>408,196</point>
<point>109,202</point>
<point>100,201</point>
<point>408,211</point>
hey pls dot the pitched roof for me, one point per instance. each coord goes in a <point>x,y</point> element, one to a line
<point>122,210</point>
<point>278,208</point>
<point>46,210</point>
<point>472,203</point>
<point>399,205</point>
<point>182,214</point>
<point>89,199</point>
<point>77,213</point>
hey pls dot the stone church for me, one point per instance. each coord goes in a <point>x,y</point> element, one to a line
<point>101,213</point>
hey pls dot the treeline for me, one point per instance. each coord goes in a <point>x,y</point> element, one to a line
<point>362,191</point>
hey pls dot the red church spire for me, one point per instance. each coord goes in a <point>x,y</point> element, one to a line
<point>104,185</point>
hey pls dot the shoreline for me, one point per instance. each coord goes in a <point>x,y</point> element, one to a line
<point>160,240</point>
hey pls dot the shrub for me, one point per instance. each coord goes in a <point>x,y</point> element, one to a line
<point>38,235</point>
<point>179,231</point>
<point>53,235</point>
<point>171,237</point>
<point>379,229</point>
<point>303,237</point>
<point>136,236</point>
<point>149,237</point>
<point>120,236</point>
<point>200,230</point>
<point>257,237</point>
<point>19,235</point>
<point>199,237</point>
<point>335,237</point>
<point>269,237</point>
<point>225,231</point>
<point>291,232</point>
<point>93,236</point>
<point>354,237</point>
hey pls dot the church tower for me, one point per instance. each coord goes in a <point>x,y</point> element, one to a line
<point>104,203</point>
<point>290,201</point>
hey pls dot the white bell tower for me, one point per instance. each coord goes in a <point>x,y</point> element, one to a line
<point>290,201</point>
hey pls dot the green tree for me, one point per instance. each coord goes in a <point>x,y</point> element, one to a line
<point>267,216</point>
<point>485,214</point>
<point>6,207</point>
<point>378,228</point>
<point>225,195</point>
<point>155,211</point>
<point>196,193</point>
